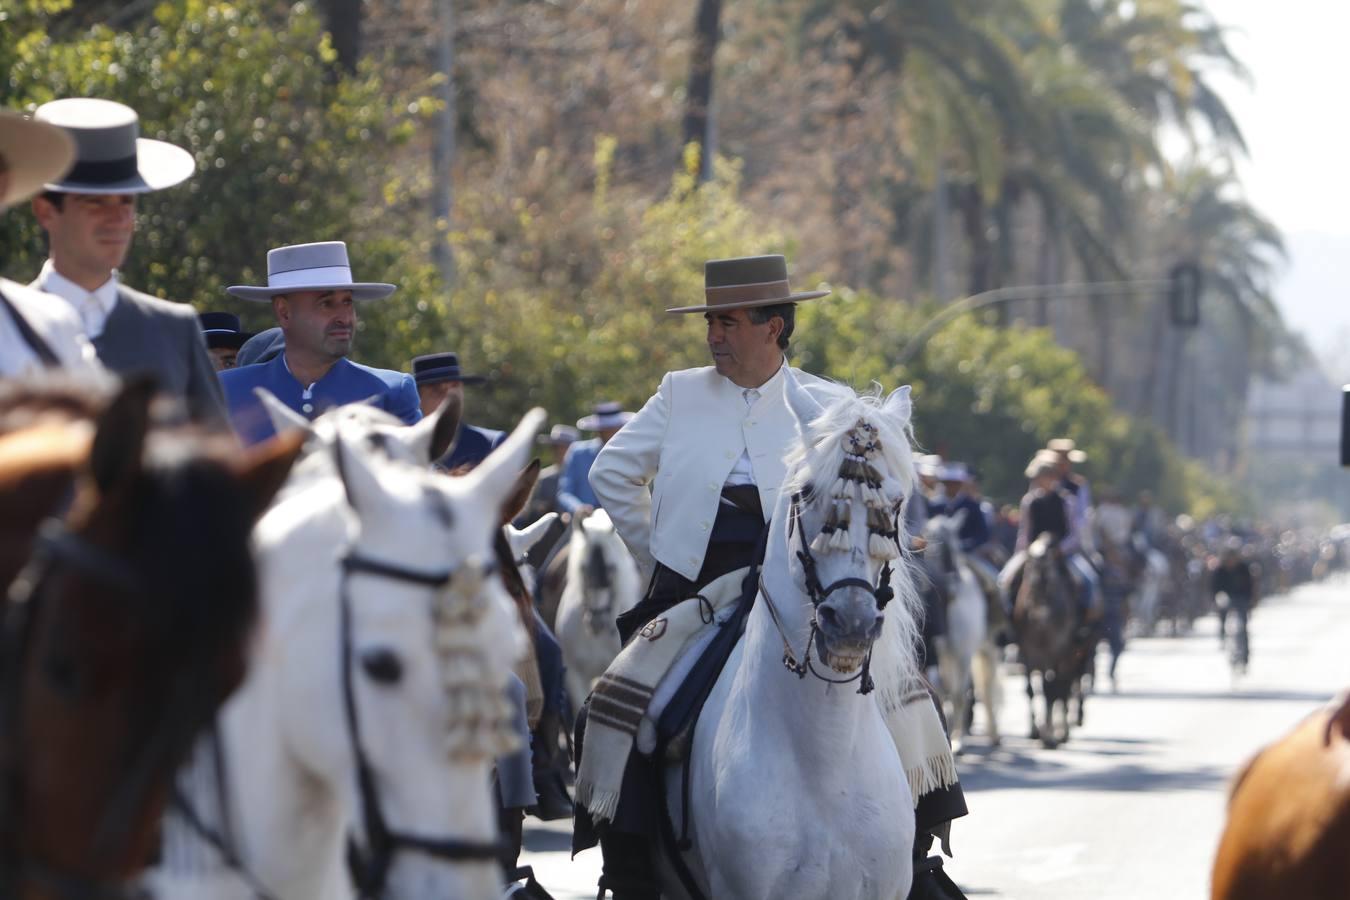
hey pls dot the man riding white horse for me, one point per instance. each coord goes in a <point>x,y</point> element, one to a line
<point>690,483</point>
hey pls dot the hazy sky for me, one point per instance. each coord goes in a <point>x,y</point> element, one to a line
<point>1296,117</point>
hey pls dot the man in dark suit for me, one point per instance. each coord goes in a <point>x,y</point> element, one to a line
<point>90,217</point>
<point>437,376</point>
<point>314,297</point>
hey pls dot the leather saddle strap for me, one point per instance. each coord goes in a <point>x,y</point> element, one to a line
<point>40,347</point>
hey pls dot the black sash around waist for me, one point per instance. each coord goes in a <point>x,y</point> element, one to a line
<point>735,536</point>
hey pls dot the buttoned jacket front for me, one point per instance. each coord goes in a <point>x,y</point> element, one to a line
<point>660,478</point>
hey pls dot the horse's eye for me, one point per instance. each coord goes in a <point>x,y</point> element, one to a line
<point>383,665</point>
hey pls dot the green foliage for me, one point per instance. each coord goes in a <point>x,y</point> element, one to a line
<point>285,154</point>
<point>564,261</point>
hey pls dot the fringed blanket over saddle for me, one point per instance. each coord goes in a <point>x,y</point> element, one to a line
<point>629,698</point>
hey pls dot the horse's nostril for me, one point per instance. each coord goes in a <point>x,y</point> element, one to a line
<point>827,618</point>
<point>877,626</point>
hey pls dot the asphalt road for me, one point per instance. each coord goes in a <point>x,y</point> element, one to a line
<point>1132,807</point>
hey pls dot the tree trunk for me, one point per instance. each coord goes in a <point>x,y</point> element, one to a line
<point>344,25</point>
<point>698,101</point>
<point>443,145</point>
<point>1047,268</point>
<point>976,226</point>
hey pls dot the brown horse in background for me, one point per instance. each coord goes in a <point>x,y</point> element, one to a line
<point>1288,828</point>
<point>1045,618</point>
<point>126,629</point>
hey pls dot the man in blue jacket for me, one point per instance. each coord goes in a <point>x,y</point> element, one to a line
<point>438,376</point>
<point>314,299</point>
<point>574,486</point>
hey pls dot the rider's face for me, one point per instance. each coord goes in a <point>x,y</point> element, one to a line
<point>742,351</point>
<point>320,323</point>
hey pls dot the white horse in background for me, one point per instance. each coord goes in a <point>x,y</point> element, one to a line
<point>375,704</point>
<point>602,582</point>
<point>797,788</point>
<point>967,657</point>
<point>1148,593</point>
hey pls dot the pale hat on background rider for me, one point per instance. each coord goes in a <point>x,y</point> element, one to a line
<point>1068,448</point>
<point>32,154</point>
<point>954,473</point>
<point>928,466</point>
<point>1042,464</point>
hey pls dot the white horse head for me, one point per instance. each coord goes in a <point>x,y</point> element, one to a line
<point>380,684</point>
<point>601,570</point>
<point>366,425</point>
<point>843,502</point>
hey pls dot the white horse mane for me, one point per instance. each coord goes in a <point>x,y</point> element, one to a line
<point>814,466</point>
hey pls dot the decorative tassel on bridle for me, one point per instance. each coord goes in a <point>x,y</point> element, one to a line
<point>479,715</point>
<point>858,478</point>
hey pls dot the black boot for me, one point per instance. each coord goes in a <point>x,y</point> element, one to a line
<point>511,823</point>
<point>627,872</point>
<point>930,881</point>
<point>550,766</point>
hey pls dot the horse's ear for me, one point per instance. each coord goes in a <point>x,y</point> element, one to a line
<point>264,470</point>
<point>522,540</point>
<point>119,434</point>
<point>360,477</point>
<point>496,475</point>
<point>804,407</point>
<point>520,494</point>
<point>283,418</point>
<point>433,437</point>
<point>899,406</point>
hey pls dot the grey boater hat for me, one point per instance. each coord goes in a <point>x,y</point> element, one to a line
<point>310,267</point>
<point>31,154</point>
<point>744,282</point>
<point>110,155</point>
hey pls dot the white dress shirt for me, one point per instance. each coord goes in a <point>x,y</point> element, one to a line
<point>93,307</point>
<point>743,472</point>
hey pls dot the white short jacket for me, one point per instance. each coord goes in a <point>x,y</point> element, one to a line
<point>660,478</point>
<point>53,320</point>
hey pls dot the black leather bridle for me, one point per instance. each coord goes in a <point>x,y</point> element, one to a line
<point>881,592</point>
<point>54,549</point>
<point>371,863</point>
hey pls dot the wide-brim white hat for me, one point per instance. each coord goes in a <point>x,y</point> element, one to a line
<point>34,153</point>
<point>110,155</point>
<point>310,267</point>
<point>605,416</point>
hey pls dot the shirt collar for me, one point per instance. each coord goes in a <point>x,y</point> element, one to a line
<point>763,390</point>
<point>53,282</point>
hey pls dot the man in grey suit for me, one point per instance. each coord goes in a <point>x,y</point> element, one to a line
<point>90,217</point>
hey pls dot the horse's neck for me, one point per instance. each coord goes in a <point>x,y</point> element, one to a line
<point>289,828</point>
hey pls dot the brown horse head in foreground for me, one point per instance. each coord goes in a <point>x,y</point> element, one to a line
<point>1288,831</point>
<point>125,631</point>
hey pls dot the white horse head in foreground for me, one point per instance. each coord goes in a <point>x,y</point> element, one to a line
<point>375,705</point>
<point>797,787</point>
<point>602,581</point>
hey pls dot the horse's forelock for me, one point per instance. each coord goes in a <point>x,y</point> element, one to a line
<point>816,460</point>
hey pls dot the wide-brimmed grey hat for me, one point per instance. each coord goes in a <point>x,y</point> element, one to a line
<point>605,416</point>
<point>559,436</point>
<point>32,153</point>
<point>744,282</point>
<point>310,267</point>
<point>110,155</point>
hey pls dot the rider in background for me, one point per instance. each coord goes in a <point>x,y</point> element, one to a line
<point>1077,547</point>
<point>1237,581</point>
